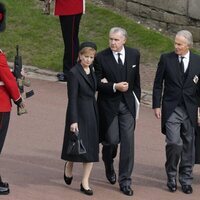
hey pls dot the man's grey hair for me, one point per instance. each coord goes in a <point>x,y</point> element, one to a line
<point>119,29</point>
<point>187,35</point>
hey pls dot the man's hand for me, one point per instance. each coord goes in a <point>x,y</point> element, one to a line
<point>157,112</point>
<point>198,116</point>
<point>21,108</point>
<point>121,86</point>
<point>22,105</point>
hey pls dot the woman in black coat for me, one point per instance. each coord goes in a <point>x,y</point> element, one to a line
<point>82,116</point>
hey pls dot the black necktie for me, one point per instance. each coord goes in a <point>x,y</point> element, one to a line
<point>119,59</point>
<point>182,64</point>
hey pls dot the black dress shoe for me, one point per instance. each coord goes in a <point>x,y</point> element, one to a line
<point>68,180</point>
<point>111,176</point>
<point>87,192</point>
<point>59,74</point>
<point>4,188</point>
<point>110,173</point>
<point>172,186</point>
<point>187,189</point>
<point>62,77</point>
<point>127,190</point>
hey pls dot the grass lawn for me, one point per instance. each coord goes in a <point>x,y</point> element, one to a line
<point>40,41</point>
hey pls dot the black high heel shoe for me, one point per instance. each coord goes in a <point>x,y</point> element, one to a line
<point>88,192</point>
<point>68,180</point>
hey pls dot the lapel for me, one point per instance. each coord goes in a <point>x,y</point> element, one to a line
<point>129,61</point>
<point>93,77</point>
<point>85,77</point>
<point>174,64</point>
<point>190,68</point>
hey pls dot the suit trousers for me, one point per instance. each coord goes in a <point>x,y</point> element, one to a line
<point>70,30</point>
<point>121,131</point>
<point>180,147</point>
<point>4,122</point>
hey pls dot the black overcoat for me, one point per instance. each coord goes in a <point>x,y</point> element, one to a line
<point>82,108</point>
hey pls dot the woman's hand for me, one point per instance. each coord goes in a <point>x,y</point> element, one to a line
<point>157,113</point>
<point>74,127</point>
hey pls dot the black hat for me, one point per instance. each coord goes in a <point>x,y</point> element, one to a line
<point>2,17</point>
<point>88,44</point>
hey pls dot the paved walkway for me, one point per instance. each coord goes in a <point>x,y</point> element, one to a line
<point>31,156</point>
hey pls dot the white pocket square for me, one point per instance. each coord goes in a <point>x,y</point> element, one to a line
<point>133,66</point>
<point>196,79</point>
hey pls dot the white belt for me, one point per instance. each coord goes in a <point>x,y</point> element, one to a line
<point>1,83</point>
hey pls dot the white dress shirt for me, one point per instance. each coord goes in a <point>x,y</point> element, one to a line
<point>186,60</point>
<point>122,55</point>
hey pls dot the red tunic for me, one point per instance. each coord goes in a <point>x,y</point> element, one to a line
<point>8,86</point>
<point>68,7</point>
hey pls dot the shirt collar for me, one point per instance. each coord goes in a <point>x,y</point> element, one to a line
<point>187,55</point>
<point>122,52</point>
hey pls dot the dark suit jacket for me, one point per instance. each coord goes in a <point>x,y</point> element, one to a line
<point>168,80</point>
<point>108,100</point>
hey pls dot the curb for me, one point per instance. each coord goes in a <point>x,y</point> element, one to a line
<point>146,98</point>
<point>37,73</point>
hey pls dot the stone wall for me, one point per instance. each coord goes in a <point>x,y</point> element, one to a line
<point>171,15</point>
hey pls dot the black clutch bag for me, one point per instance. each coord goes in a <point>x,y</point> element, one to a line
<point>75,145</point>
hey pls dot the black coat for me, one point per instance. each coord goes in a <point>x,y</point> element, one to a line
<point>108,100</point>
<point>169,88</point>
<point>82,108</point>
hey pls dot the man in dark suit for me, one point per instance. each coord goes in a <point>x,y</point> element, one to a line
<point>177,83</point>
<point>117,71</point>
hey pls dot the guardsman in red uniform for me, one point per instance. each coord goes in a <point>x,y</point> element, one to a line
<point>8,90</point>
<point>69,12</point>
